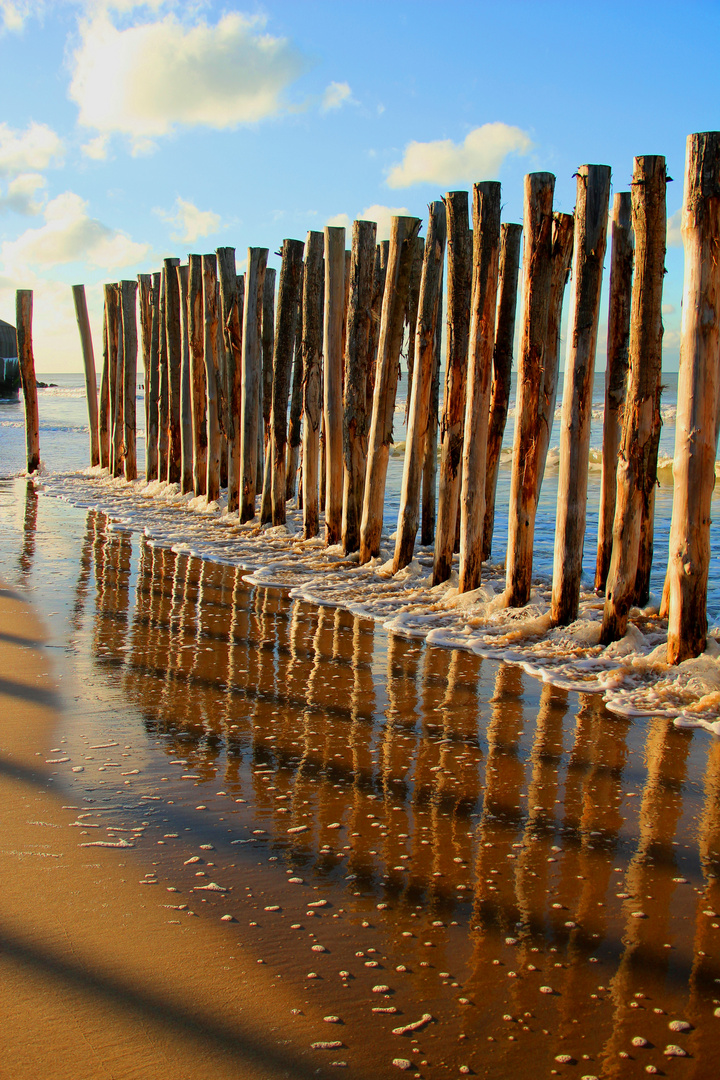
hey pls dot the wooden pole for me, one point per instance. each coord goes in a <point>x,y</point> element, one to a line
<point>453,415</point>
<point>332,379</point>
<point>356,406</point>
<point>382,253</point>
<point>429,476</point>
<point>152,387</point>
<point>145,305</point>
<point>230,316</point>
<point>486,262</point>
<point>591,213</point>
<point>186,432</point>
<point>104,408</point>
<point>411,314</point>
<point>83,321</point>
<point>111,308</point>
<point>510,236</point>
<point>287,316</point>
<point>119,417</point>
<point>163,388</point>
<point>252,373</point>
<point>210,318</point>
<point>419,411</point>
<point>696,431</point>
<point>196,332</point>
<point>403,233</point>
<point>268,344</point>
<point>296,395</point>
<point>537,281</point>
<point>312,338</point>
<point>174,366</point>
<point>128,300</point>
<point>23,321</point>
<point>616,372</point>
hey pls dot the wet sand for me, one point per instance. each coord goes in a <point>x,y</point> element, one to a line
<point>403,835</point>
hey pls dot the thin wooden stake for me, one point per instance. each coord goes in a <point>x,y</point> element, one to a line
<point>83,321</point>
<point>174,366</point>
<point>128,294</point>
<point>23,321</point>
<point>118,447</point>
<point>145,306</point>
<point>332,379</point>
<point>287,316</point>
<point>104,407</point>
<point>111,313</point>
<point>312,338</point>
<point>210,318</point>
<point>152,387</point>
<point>196,333</point>
<point>186,433</point>
<point>232,326</point>
<point>430,456</point>
<point>252,373</point>
<point>163,388</point>
<point>296,405</point>
<point>591,213</point>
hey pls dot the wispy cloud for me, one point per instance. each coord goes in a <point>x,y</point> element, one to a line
<point>443,162</point>
<point>21,195</point>
<point>190,223</point>
<point>31,150</point>
<point>674,235</point>
<point>377,212</point>
<point>336,95</point>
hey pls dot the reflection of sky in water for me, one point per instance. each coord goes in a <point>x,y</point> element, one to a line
<point>529,837</point>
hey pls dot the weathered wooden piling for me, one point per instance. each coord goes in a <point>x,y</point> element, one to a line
<point>174,364</point>
<point>118,438</point>
<point>104,404</point>
<point>198,388</point>
<point>285,331</point>
<point>210,347</point>
<point>296,406</point>
<point>113,338</point>
<point>356,405</point>
<point>332,379</point>
<point>145,308</point>
<point>128,306</point>
<point>696,431</point>
<point>186,433</point>
<point>83,321</point>
<point>163,388</point>
<point>382,253</point>
<point>268,344</point>
<point>252,374</point>
<point>429,473</point>
<point>411,313</point>
<point>616,372</point>
<point>404,231</point>
<point>510,236</point>
<point>152,388</point>
<point>637,459</point>
<point>537,281</point>
<point>453,415</point>
<point>312,338</point>
<point>486,262</point>
<point>591,213</point>
<point>23,322</point>
<point>419,411</point>
<point>232,329</point>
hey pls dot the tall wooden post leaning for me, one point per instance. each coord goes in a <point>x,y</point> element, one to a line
<point>152,386</point>
<point>252,373</point>
<point>145,306</point>
<point>332,379</point>
<point>429,469</point>
<point>696,431</point>
<point>382,253</point>
<point>174,365</point>
<point>104,405</point>
<point>83,321</point>
<point>295,416</point>
<point>23,321</point>
<point>403,234</point>
<point>268,344</point>
<point>198,381</point>
<point>312,337</point>
<point>356,405</point>
<point>118,444</point>
<point>411,313</point>
<point>287,315</point>
<point>537,281</point>
<point>591,213</point>
<point>616,371</point>
<point>453,414</point>
<point>637,460</point>
<point>486,262</point>
<point>232,329</point>
<point>510,236</point>
<point>186,433</point>
<point>419,410</point>
<point>210,321</point>
<point>128,294</point>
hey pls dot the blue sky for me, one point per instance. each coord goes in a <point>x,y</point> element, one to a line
<point>134,131</point>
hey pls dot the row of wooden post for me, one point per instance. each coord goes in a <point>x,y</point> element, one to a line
<point>207,336</point>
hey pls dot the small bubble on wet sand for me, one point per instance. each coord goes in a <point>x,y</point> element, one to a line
<point>298,829</point>
<point>319,903</point>
<point>638,915</point>
<point>680,1025</point>
<point>402,1063</point>
<point>296,880</point>
<point>344,974</point>
<point>546,990</point>
<point>425,1019</point>
<point>334,1044</point>
<point>273,907</point>
<point>312,975</point>
<point>639,1041</point>
<point>319,948</point>
<point>671,1050</point>
<point>192,859</point>
<point>212,887</point>
<point>390,1010</point>
<point>381,989</point>
<point>332,1019</point>
<point>338,1064</point>
<point>227,918</point>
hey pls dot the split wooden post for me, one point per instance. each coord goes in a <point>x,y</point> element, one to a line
<point>312,339</point>
<point>163,388</point>
<point>118,447</point>
<point>429,474</point>
<point>453,414</point>
<point>287,315</point>
<point>486,262</point>
<point>537,281</point>
<point>210,320</point>
<point>591,214</point>
<point>268,345</point>
<point>174,366</point>
<point>637,459</point>
<point>616,372</point>
<point>510,236</point>
<point>186,433</point>
<point>403,234</point>
<point>104,406</point>
<point>424,336</point>
<point>696,431</point>
<point>411,314</point>
<point>145,306</point>
<point>152,386</point>
<point>296,395</point>
<point>83,321</point>
<point>332,379</point>
<point>23,321</point>
<point>198,381</point>
<point>382,253</point>
<point>113,339</point>
<point>232,327</point>
<point>252,373</point>
<point>128,301</point>
<point>356,405</point>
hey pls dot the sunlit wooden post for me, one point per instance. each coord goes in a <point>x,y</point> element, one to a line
<point>210,319</point>
<point>295,416</point>
<point>287,316</point>
<point>128,304</point>
<point>23,321</point>
<point>251,377</point>
<point>118,437</point>
<point>312,337</point>
<point>83,321</point>
<point>104,405</point>
<point>145,297</point>
<point>196,332</point>
<point>174,365</point>
<point>186,432</point>
<point>332,378</point>
<point>430,454</point>
<point>232,329</point>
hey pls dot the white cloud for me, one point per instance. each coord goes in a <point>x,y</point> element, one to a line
<point>336,95</point>
<point>97,148</point>
<point>377,212</point>
<point>15,13</point>
<point>341,221</point>
<point>21,192</point>
<point>443,162</point>
<point>35,148</point>
<point>189,222</point>
<point>674,235</point>
<point>668,309</point>
<point>149,78</point>
<point>69,235</point>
